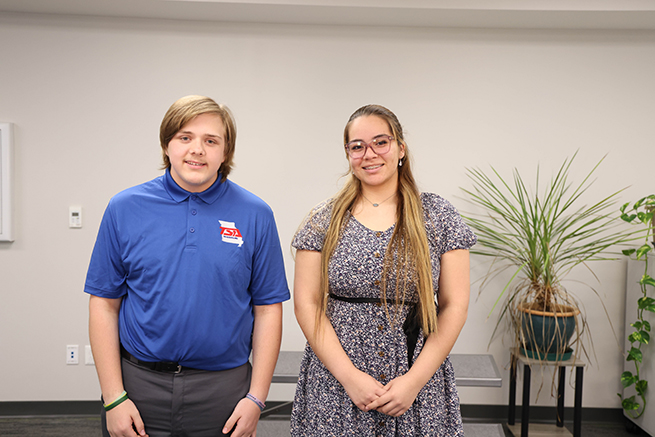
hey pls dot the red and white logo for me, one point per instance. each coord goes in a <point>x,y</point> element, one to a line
<point>230,233</point>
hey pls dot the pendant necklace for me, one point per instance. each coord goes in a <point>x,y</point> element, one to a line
<point>375,205</point>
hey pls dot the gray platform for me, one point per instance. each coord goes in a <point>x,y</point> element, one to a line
<point>471,370</point>
<point>474,370</point>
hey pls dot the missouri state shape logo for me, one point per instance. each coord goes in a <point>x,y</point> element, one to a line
<point>230,233</point>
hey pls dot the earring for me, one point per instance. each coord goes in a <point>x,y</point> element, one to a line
<point>400,163</point>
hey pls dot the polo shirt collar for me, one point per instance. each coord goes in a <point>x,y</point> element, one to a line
<point>210,195</point>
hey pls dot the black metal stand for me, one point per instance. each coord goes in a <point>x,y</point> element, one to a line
<point>525,408</point>
<point>512,392</point>
<point>560,397</point>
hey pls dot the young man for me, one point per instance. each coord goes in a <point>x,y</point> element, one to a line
<point>186,279</point>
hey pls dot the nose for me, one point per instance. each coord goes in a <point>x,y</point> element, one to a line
<point>197,147</point>
<point>366,154</point>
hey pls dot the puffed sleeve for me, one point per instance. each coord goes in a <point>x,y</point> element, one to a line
<point>445,225</point>
<point>311,233</point>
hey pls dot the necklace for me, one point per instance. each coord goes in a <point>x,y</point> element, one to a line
<point>375,205</point>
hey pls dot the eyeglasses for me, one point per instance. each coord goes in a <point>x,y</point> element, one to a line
<point>379,145</point>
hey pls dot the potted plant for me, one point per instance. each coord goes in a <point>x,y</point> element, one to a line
<point>641,213</point>
<point>541,234</point>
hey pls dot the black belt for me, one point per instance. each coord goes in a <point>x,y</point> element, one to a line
<point>411,327</point>
<point>158,366</point>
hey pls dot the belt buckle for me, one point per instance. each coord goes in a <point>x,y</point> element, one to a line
<point>168,367</point>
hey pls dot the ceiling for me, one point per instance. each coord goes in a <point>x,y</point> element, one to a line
<point>539,14</point>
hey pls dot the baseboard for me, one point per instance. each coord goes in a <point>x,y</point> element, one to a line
<point>487,413</point>
<point>50,408</point>
<point>499,413</point>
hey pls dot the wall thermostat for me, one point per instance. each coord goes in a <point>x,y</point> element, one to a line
<point>75,217</point>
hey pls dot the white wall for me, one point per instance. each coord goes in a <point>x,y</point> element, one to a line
<point>87,96</point>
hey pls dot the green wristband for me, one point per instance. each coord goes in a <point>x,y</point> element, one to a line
<point>122,398</point>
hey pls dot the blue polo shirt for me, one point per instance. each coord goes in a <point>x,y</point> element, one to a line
<point>189,267</point>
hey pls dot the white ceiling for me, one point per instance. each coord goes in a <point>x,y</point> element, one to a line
<point>557,14</point>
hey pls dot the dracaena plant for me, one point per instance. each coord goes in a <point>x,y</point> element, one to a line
<point>641,213</point>
<point>540,233</point>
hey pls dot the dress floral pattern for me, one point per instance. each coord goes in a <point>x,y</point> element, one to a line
<point>374,342</point>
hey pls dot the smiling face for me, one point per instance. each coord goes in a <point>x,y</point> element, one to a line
<point>196,152</point>
<point>374,171</point>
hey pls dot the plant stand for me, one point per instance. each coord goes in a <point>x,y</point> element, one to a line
<point>579,365</point>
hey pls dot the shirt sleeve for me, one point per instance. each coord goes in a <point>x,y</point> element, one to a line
<point>268,284</point>
<point>446,225</point>
<point>311,233</point>
<point>106,275</point>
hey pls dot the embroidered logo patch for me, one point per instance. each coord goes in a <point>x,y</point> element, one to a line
<point>230,233</point>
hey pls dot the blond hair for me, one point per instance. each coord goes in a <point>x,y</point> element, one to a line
<point>186,109</point>
<point>408,250</point>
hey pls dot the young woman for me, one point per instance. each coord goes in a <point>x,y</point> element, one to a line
<point>369,264</point>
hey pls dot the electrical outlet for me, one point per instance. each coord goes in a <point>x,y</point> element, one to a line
<point>88,356</point>
<point>72,354</point>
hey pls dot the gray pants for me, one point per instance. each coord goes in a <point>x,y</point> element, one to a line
<point>193,403</point>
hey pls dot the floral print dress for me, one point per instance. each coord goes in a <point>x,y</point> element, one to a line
<point>375,342</point>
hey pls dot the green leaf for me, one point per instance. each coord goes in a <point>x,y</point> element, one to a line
<point>643,250</point>
<point>646,326</point>
<point>637,325</point>
<point>624,206</point>
<point>628,218</point>
<point>628,252</point>
<point>634,355</point>
<point>647,280</point>
<point>641,386</point>
<point>645,302</point>
<point>627,379</point>
<point>640,337</point>
<point>645,217</point>
<point>629,404</point>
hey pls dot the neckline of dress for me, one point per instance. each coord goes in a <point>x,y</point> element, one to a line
<point>369,229</point>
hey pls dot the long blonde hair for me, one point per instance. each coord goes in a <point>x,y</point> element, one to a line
<point>408,249</point>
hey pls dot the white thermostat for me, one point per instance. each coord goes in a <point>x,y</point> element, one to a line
<point>75,217</point>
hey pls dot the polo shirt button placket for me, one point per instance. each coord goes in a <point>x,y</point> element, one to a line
<point>193,220</point>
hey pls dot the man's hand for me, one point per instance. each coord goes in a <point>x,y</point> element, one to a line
<point>245,416</point>
<point>124,420</point>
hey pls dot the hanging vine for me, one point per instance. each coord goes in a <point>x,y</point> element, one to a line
<point>641,213</point>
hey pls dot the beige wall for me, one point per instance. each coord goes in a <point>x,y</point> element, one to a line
<point>87,95</point>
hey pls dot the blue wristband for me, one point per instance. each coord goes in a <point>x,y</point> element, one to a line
<point>259,403</point>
